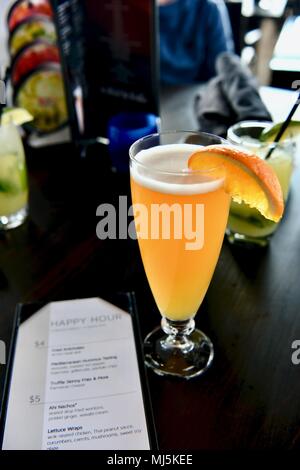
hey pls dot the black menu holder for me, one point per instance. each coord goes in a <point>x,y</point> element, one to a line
<point>123,300</point>
<point>110,61</point>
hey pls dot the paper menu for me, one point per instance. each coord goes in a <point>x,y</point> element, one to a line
<point>75,381</point>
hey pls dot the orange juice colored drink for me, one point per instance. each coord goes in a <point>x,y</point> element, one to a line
<point>179,265</point>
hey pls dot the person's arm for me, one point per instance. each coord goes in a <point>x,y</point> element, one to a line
<point>226,24</point>
<point>215,38</point>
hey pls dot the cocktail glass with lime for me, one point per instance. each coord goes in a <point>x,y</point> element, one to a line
<point>246,224</point>
<point>13,178</point>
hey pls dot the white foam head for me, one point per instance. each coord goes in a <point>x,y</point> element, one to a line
<point>164,168</point>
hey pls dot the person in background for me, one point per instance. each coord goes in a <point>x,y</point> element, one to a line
<point>192,34</point>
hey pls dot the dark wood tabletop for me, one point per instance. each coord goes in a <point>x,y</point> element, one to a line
<point>249,399</point>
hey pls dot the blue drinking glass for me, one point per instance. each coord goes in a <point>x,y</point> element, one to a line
<point>123,130</point>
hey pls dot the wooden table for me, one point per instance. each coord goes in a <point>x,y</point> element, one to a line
<point>249,399</point>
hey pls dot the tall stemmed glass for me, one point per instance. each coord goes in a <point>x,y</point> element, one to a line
<point>13,178</point>
<point>180,217</point>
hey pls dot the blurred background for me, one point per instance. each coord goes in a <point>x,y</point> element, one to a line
<point>188,37</point>
<point>263,33</point>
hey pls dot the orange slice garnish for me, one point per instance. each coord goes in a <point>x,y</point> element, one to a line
<point>248,178</point>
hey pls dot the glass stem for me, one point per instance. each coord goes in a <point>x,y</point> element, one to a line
<point>178,331</point>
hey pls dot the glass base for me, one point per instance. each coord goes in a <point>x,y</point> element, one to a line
<point>14,220</point>
<point>177,349</point>
<point>240,239</point>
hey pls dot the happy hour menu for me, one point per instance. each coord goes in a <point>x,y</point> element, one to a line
<point>75,381</point>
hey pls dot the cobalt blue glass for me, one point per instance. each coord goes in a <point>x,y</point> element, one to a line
<point>123,130</point>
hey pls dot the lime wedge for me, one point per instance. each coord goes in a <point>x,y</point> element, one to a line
<point>7,187</point>
<point>292,131</point>
<point>17,116</point>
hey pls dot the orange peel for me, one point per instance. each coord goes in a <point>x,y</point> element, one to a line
<point>247,178</point>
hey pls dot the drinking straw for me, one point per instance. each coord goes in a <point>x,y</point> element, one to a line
<point>283,127</point>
